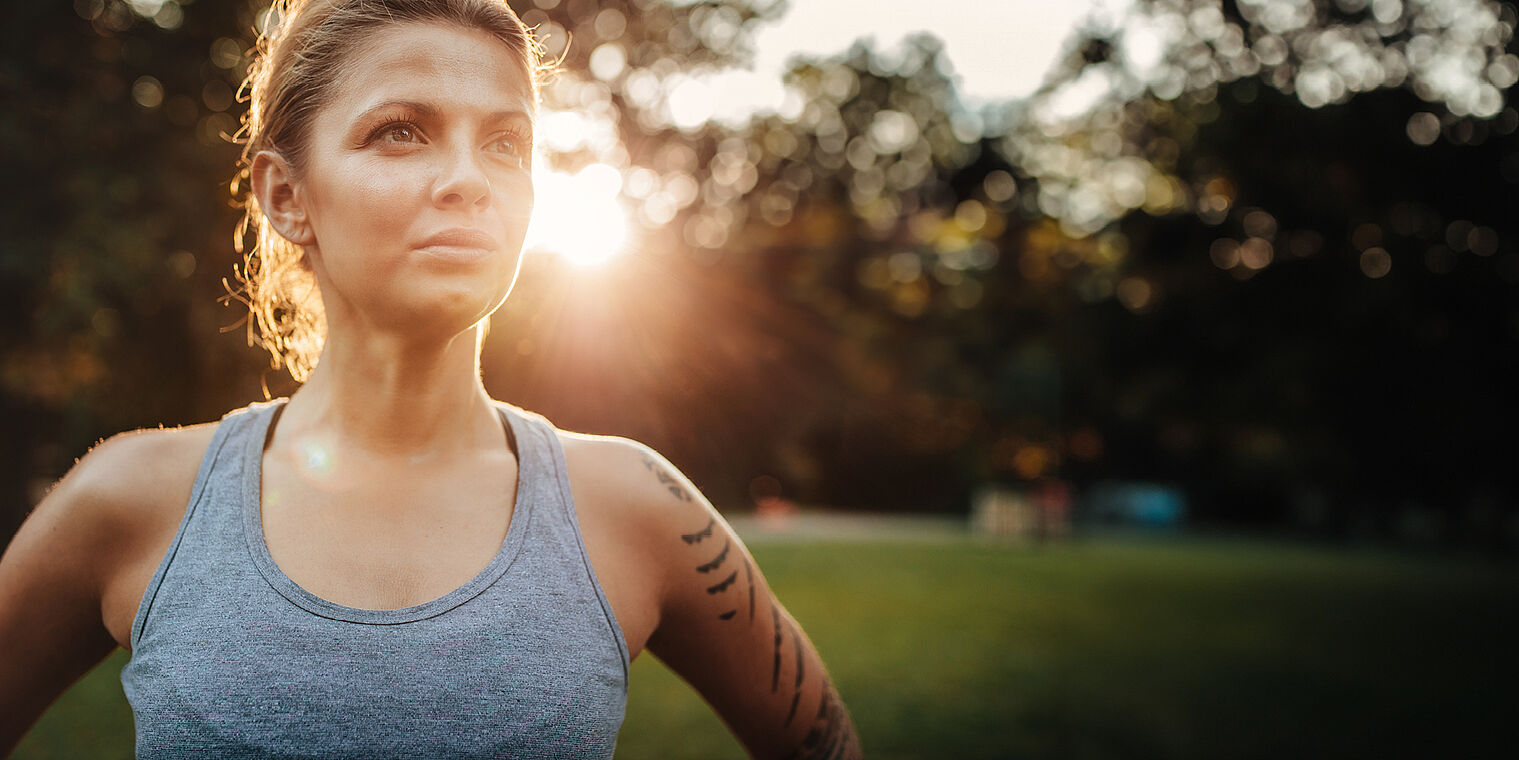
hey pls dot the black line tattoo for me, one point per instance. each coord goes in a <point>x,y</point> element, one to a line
<point>808,743</point>
<point>832,738</point>
<point>819,740</point>
<point>775,670</point>
<point>832,734</point>
<point>728,615</point>
<point>839,735</point>
<point>801,662</point>
<point>723,586</point>
<point>696,538</point>
<point>749,578</point>
<point>718,560</point>
<point>801,669</point>
<point>666,480</point>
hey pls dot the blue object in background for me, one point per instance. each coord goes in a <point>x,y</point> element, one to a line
<point>1135,504</point>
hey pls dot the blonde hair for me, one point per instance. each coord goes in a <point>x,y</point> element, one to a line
<point>299,56</point>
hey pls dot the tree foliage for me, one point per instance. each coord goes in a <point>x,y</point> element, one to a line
<point>1261,249</point>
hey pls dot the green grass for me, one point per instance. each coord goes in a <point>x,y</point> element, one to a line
<point>1185,649</point>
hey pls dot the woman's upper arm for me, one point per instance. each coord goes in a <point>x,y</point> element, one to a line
<point>57,570</point>
<point>51,631</point>
<point>725,633</point>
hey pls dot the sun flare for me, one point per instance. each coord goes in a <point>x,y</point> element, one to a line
<point>578,216</point>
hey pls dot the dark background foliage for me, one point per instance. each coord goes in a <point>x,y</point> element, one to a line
<point>1291,299</point>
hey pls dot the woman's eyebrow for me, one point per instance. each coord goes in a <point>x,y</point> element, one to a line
<point>424,110</point>
<point>427,110</point>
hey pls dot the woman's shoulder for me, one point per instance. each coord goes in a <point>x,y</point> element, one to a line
<point>139,461</point>
<point>624,482</point>
<point>133,480</point>
<point>618,461</point>
<point>628,479</point>
<point>595,460</point>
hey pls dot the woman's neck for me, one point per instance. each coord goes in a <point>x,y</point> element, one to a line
<point>390,398</point>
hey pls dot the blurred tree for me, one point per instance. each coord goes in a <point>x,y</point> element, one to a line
<point>1257,248</point>
<point>1317,197</point>
<point>1175,264</point>
<point>117,230</point>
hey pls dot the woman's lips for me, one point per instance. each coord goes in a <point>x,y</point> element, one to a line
<point>459,244</point>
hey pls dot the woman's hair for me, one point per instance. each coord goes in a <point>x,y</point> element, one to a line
<point>300,55</point>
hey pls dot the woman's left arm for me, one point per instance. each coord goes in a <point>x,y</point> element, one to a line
<point>724,632</point>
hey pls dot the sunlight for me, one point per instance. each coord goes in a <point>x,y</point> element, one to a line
<point>578,216</point>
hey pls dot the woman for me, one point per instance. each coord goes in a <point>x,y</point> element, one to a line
<point>389,563</point>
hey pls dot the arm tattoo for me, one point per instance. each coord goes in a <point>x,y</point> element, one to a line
<point>832,734</point>
<point>695,538</point>
<point>796,697</point>
<point>749,578</point>
<point>801,669</point>
<point>718,560</point>
<point>775,670</point>
<point>801,662</point>
<point>666,479</point>
<point>723,586</point>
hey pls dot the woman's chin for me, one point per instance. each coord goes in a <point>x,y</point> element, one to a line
<point>443,313</point>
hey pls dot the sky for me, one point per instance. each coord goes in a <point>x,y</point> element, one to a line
<point>1000,49</point>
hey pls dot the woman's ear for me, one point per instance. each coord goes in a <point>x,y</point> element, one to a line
<point>279,198</point>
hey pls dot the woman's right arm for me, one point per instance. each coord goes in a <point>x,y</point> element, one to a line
<point>62,572</point>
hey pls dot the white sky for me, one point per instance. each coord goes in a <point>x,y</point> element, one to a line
<point>1000,49</point>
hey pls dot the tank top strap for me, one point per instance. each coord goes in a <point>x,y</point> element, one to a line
<point>546,482</point>
<point>540,459</point>
<point>219,456</point>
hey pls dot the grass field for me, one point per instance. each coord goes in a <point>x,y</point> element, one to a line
<point>1122,649</point>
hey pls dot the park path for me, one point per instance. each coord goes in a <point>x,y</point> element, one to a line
<point>821,525</point>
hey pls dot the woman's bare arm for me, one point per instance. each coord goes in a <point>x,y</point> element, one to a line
<point>51,631</point>
<point>79,555</point>
<point>726,634</point>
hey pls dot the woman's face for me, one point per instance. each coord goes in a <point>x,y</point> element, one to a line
<point>418,179</point>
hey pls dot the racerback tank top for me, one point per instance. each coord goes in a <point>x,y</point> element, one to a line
<point>232,659</point>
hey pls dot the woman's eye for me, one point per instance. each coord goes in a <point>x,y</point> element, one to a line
<point>511,144</point>
<point>395,133</point>
<point>400,133</point>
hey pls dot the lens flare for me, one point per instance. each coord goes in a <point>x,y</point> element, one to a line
<point>578,216</point>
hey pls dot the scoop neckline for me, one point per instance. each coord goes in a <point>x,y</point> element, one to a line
<point>253,531</point>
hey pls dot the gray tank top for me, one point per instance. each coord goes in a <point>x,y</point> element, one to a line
<point>231,659</point>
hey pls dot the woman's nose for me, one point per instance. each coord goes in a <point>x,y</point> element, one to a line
<point>462,181</point>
